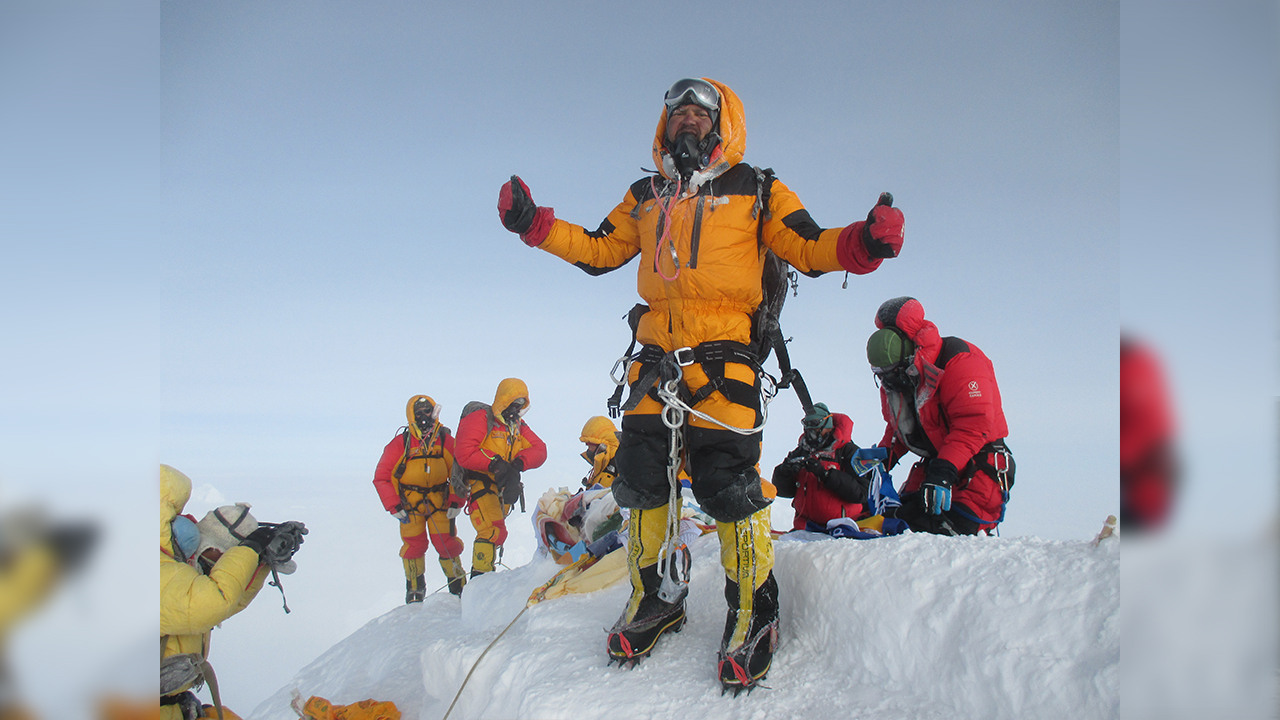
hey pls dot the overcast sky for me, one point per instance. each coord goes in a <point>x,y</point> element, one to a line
<point>245,235</point>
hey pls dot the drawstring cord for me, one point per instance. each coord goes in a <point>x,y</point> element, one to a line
<point>664,231</point>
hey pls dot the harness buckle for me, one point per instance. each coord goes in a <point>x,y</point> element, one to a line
<point>683,356</point>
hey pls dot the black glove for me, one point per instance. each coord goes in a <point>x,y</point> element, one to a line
<point>815,466</point>
<point>848,487</point>
<point>512,489</point>
<point>796,457</point>
<point>276,544</point>
<point>939,478</point>
<point>506,475</point>
<point>515,207</point>
<point>784,478</point>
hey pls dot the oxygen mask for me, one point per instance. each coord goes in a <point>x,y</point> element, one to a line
<point>899,377</point>
<point>514,411</point>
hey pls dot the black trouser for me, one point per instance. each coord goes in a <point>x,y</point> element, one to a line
<point>721,466</point>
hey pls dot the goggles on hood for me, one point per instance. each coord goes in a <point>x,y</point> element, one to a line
<point>900,376</point>
<point>693,90</point>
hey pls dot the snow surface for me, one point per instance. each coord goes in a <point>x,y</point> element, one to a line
<point>899,628</point>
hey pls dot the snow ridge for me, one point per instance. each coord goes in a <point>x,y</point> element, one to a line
<point>901,628</point>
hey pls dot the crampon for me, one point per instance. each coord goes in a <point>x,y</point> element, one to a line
<point>630,643</point>
<point>744,667</point>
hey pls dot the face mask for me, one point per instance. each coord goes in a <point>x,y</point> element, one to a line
<point>899,378</point>
<point>515,411</point>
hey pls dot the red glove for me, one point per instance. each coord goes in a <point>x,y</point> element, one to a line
<point>520,215</point>
<point>882,232</point>
<point>454,505</point>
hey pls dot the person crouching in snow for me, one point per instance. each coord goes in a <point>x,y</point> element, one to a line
<point>601,437</point>
<point>412,480</point>
<point>703,226</point>
<point>940,401</point>
<point>812,474</point>
<point>494,446</point>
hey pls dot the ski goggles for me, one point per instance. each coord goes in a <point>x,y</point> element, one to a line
<point>693,90</point>
<point>900,376</point>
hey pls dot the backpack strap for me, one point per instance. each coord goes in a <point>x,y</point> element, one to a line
<point>633,319</point>
<point>404,456</point>
<point>766,327</point>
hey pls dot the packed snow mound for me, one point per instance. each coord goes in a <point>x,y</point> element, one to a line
<point>896,628</point>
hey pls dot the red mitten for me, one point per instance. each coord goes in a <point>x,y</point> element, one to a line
<point>519,214</point>
<point>882,232</point>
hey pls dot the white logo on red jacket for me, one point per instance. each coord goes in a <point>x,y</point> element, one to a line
<point>974,391</point>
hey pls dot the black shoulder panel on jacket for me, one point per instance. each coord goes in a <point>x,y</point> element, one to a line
<point>642,189</point>
<point>802,224</point>
<point>605,228</point>
<point>951,346</point>
<point>737,180</point>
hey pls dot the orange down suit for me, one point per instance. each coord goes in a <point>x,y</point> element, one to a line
<point>482,437</point>
<point>702,245</point>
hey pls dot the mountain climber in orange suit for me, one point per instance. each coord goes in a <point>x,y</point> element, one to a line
<point>412,480</point>
<point>494,446</point>
<point>703,227</point>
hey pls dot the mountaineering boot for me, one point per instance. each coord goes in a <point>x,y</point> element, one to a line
<point>456,574</point>
<point>482,552</point>
<point>743,665</point>
<point>751,627</point>
<point>655,605</point>
<point>633,636</point>
<point>414,584</point>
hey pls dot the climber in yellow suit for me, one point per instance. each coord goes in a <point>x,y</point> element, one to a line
<point>412,480</point>
<point>601,437</point>
<point>494,446</point>
<point>209,571</point>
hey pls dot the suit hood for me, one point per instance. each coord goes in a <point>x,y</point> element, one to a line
<point>408,411</point>
<point>175,491</point>
<point>733,139</point>
<point>508,390</point>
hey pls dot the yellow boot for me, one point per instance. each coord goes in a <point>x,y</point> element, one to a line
<point>751,628</point>
<point>414,586</point>
<point>456,574</point>
<point>652,608</point>
<point>482,553</point>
